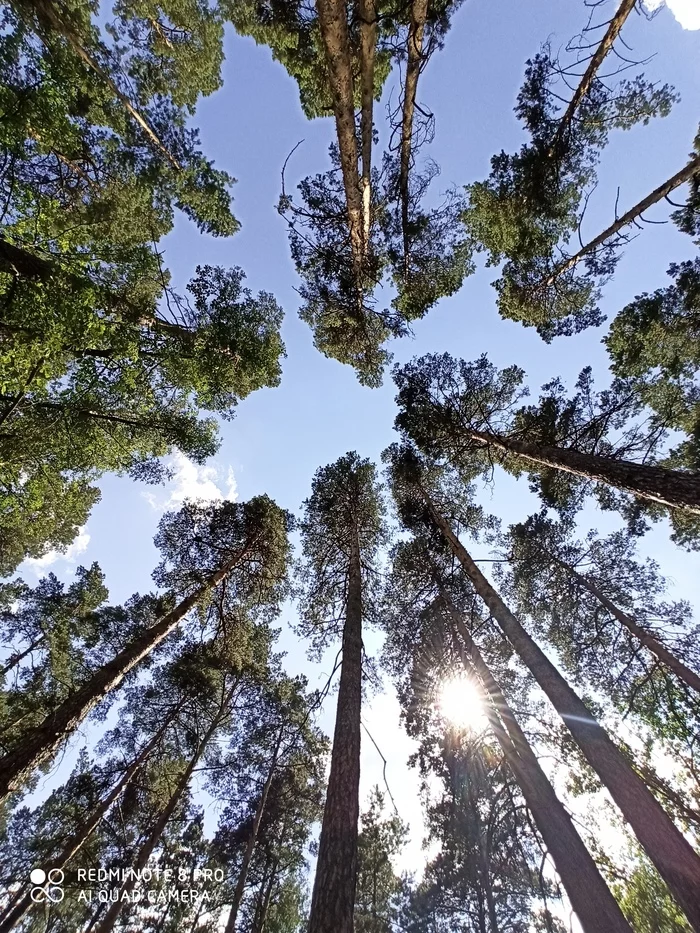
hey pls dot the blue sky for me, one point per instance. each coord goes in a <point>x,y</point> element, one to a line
<point>281,436</point>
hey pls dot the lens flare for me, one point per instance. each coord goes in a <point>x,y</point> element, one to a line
<point>461,703</point>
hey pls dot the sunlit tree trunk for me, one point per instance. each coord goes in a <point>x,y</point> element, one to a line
<point>595,907</point>
<point>676,861</point>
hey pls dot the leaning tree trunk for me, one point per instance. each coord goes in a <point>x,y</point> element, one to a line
<point>332,17</point>
<point>77,840</point>
<point>595,907</point>
<point>676,861</point>
<point>684,175</point>
<point>368,50</point>
<point>333,900</point>
<point>41,742</point>
<point>606,44</point>
<point>250,846</point>
<point>115,909</point>
<point>419,12</point>
<point>672,488</point>
<point>674,664</point>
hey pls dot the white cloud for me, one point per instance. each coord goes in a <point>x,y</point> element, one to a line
<point>687,12</point>
<point>69,556</point>
<point>191,481</point>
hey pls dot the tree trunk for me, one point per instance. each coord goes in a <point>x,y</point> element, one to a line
<point>41,742</point>
<point>676,861</point>
<point>595,907</point>
<point>673,488</point>
<point>333,900</point>
<point>332,16</point>
<point>115,909</point>
<point>684,175</point>
<point>49,20</point>
<point>419,12</point>
<point>606,44</point>
<point>368,46</point>
<point>76,841</point>
<point>266,898</point>
<point>681,670</point>
<point>250,846</point>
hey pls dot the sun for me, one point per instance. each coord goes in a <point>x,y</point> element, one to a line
<point>461,703</point>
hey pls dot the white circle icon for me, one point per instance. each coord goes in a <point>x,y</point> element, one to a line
<point>38,876</point>
<point>55,876</point>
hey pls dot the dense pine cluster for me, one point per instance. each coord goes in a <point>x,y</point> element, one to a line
<point>205,769</point>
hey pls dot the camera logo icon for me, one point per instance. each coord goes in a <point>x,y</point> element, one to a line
<point>47,885</point>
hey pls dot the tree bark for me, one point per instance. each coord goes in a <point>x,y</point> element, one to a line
<point>368,46</point>
<point>676,861</point>
<point>41,742</point>
<point>419,12</point>
<point>684,175</point>
<point>115,909</point>
<point>673,488</point>
<point>681,670</point>
<point>250,846</point>
<point>606,44</point>
<point>595,907</point>
<point>332,16</point>
<point>76,841</point>
<point>333,900</point>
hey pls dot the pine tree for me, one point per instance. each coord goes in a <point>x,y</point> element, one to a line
<point>466,413</point>
<point>341,532</point>
<point>378,886</point>
<point>533,201</point>
<point>640,809</point>
<point>427,626</point>
<point>202,545</point>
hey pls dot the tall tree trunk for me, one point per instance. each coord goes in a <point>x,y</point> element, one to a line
<point>673,488</point>
<point>333,900</point>
<point>50,21</point>
<point>41,742</point>
<point>681,670</point>
<point>77,840</point>
<point>684,175</point>
<point>332,16</point>
<point>419,12</point>
<point>606,44</point>
<point>595,907</point>
<point>676,861</point>
<point>250,846</point>
<point>115,909</point>
<point>368,48</point>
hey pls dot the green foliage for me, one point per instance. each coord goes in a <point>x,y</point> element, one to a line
<point>533,201</point>
<point>345,505</point>
<point>653,343</point>
<point>381,839</point>
<point>646,902</point>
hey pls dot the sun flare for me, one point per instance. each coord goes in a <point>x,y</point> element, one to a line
<point>461,703</point>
